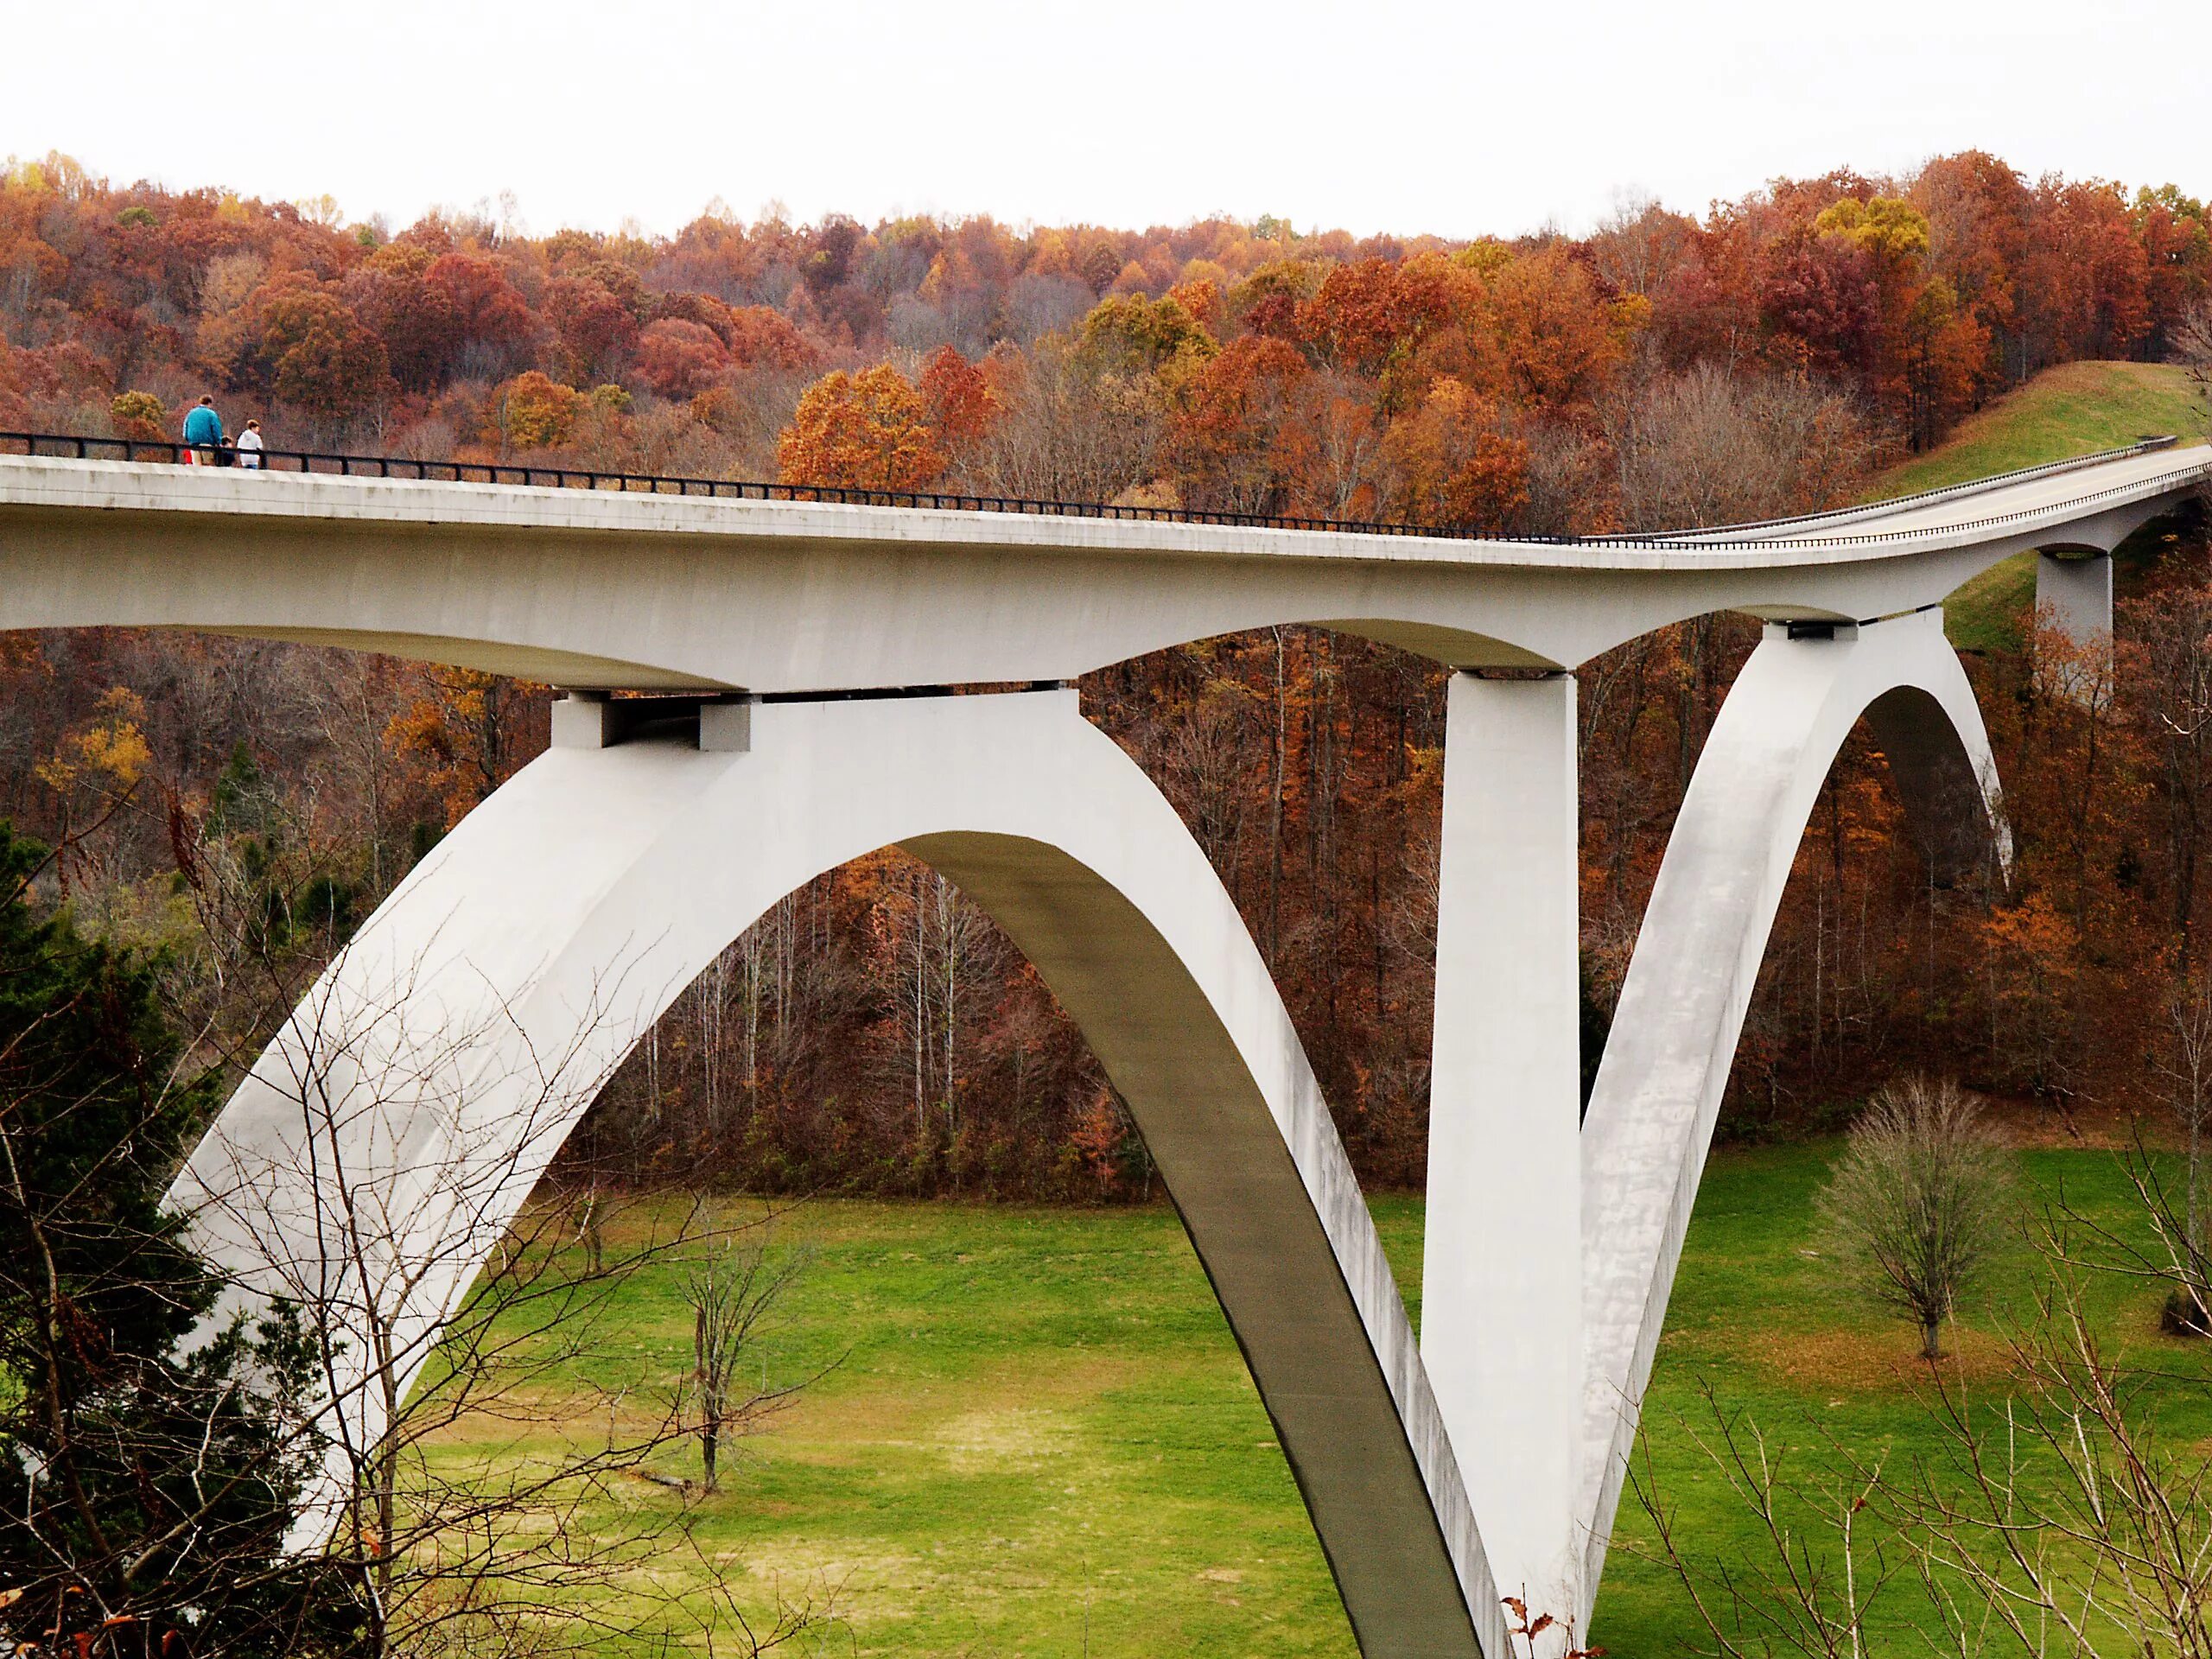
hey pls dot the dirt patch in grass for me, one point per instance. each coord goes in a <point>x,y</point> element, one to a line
<point>1003,1414</point>
<point>2086,1127</point>
<point>847,1578</point>
<point>1877,1362</point>
<point>1004,1435</point>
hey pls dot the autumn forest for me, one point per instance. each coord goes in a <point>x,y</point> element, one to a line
<point>233,808</point>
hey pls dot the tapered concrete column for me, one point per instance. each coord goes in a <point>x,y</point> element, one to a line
<point>2078,590</point>
<point>1501,1328</point>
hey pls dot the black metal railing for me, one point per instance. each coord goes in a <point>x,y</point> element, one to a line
<point>531,475</point>
<point>573,478</point>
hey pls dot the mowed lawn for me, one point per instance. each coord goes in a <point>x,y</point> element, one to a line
<point>1039,1440</point>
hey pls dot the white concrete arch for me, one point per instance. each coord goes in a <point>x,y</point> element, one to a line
<point>435,1068</point>
<point>1697,960</point>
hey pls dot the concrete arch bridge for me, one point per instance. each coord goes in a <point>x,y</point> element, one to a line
<point>794,650</point>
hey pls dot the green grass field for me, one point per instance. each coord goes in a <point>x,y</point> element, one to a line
<point>1040,1439</point>
<point>2076,408</point>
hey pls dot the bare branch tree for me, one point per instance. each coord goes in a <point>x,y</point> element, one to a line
<point>2187,1068</point>
<point>1810,1588</point>
<point>733,1289</point>
<point>1709,446</point>
<point>2059,1520</point>
<point>387,1154</point>
<point>1918,1207</point>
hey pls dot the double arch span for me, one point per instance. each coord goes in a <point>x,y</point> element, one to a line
<point>537,943</point>
<point>431,1072</point>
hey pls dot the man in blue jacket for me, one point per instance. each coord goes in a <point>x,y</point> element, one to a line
<point>203,431</point>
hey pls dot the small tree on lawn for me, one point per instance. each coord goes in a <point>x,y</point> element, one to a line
<point>731,1291</point>
<point>1917,1208</point>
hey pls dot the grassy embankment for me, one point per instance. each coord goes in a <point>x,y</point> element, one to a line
<point>2076,409</point>
<point>1041,1440</point>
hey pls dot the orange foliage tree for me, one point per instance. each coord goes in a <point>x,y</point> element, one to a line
<point>1239,438</point>
<point>678,359</point>
<point>1450,464</point>
<point>533,411</point>
<point>869,431</point>
<point>958,400</point>
<point>465,733</point>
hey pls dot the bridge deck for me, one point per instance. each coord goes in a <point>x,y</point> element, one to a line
<point>778,594</point>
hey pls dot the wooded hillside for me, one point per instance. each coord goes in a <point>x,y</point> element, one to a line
<point>238,806</point>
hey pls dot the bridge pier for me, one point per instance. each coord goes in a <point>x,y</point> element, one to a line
<point>716,724</point>
<point>2076,587</point>
<point>1501,1329</point>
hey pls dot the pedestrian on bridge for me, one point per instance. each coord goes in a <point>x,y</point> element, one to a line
<point>249,446</point>
<point>203,433</point>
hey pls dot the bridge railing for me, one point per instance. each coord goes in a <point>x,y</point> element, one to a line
<point>2142,446</point>
<point>572,478</point>
<point>408,468</point>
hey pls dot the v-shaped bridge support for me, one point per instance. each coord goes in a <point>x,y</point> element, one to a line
<point>375,1155</point>
<point>1552,1249</point>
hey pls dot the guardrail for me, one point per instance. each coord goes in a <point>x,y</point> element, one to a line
<point>570,478</point>
<point>2142,446</point>
<point>69,446</point>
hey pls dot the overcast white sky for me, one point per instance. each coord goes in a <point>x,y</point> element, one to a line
<point>1388,115</point>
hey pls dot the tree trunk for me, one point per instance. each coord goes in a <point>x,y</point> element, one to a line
<point>1275,818</point>
<point>2195,1223</point>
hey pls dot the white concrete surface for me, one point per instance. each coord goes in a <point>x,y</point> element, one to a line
<point>1502,1269</point>
<point>603,589</point>
<point>2075,591</point>
<point>380,1147</point>
<point>1697,960</point>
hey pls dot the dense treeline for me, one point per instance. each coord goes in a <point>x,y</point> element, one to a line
<point>241,805</point>
<point>1218,364</point>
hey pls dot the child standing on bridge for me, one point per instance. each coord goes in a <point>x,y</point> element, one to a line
<point>203,431</point>
<point>249,445</point>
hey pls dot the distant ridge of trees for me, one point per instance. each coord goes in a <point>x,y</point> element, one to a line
<point>1250,364</point>
<point>243,804</point>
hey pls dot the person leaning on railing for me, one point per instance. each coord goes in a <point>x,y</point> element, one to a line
<point>203,434</point>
